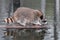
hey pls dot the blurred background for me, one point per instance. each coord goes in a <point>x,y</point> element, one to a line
<point>50,9</point>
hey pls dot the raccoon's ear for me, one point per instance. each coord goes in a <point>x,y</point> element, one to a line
<point>35,12</point>
<point>38,12</point>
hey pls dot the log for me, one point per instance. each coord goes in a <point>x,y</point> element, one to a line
<point>24,27</point>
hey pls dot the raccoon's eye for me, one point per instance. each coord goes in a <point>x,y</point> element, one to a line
<point>41,17</point>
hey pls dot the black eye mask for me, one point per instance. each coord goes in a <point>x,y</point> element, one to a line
<point>41,17</point>
<point>43,20</point>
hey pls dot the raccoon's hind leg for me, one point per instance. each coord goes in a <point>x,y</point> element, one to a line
<point>22,22</point>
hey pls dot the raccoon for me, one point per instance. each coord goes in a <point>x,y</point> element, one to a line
<point>24,15</point>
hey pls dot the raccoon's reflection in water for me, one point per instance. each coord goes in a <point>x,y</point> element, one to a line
<point>29,34</point>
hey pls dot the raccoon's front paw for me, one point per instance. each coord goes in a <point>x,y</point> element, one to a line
<point>37,24</point>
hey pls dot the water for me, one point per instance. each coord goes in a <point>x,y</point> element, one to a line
<point>50,33</point>
<point>28,35</point>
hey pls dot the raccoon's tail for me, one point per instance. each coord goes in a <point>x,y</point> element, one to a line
<point>9,20</point>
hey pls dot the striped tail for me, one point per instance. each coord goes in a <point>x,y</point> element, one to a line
<point>9,20</point>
